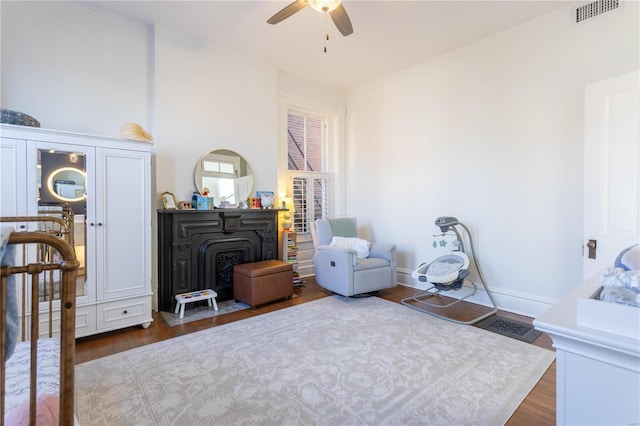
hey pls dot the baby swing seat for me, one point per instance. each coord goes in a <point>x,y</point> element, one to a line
<point>447,272</point>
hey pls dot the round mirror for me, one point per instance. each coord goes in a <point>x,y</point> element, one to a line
<point>67,184</point>
<point>225,175</point>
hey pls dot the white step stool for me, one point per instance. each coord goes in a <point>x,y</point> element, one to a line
<point>195,296</point>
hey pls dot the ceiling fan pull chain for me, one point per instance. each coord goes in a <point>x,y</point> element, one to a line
<point>326,31</point>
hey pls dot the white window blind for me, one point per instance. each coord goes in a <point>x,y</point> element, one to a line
<point>311,198</point>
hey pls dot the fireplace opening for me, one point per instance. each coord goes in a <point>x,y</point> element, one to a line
<point>216,258</point>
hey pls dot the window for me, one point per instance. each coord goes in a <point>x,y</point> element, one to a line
<point>219,173</point>
<point>309,181</point>
<point>217,167</point>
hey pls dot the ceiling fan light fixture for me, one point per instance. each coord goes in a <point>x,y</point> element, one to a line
<point>324,6</point>
<point>330,8</point>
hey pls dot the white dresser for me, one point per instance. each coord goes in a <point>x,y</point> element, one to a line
<point>598,371</point>
<point>111,199</point>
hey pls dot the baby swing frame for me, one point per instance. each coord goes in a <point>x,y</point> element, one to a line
<point>419,300</point>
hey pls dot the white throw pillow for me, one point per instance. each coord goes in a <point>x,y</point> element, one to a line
<point>360,246</point>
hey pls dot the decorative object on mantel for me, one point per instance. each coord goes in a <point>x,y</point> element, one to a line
<point>18,118</point>
<point>266,199</point>
<point>210,200</point>
<point>254,203</point>
<point>228,205</point>
<point>199,201</point>
<point>135,132</point>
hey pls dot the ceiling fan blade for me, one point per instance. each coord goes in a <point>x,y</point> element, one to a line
<point>287,11</point>
<point>342,21</point>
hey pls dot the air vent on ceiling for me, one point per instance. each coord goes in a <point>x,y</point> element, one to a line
<point>595,8</point>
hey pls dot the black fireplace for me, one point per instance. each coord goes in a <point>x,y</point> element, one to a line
<point>198,249</point>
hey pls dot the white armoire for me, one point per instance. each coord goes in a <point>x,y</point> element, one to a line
<point>106,183</point>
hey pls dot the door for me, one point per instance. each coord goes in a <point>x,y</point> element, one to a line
<point>122,212</point>
<point>611,170</point>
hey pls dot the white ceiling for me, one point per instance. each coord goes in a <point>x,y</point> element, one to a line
<point>388,35</point>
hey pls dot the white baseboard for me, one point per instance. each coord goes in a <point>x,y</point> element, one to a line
<point>506,299</point>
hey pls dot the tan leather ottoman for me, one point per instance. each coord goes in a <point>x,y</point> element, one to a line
<point>262,282</point>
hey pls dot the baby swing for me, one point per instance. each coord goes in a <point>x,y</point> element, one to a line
<point>448,272</point>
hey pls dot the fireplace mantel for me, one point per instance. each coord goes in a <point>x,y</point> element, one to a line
<point>198,249</point>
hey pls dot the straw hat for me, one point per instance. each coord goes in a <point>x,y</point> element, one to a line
<point>135,132</point>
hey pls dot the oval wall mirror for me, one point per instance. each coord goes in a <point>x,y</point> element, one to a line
<point>226,175</point>
<point>67,184</point>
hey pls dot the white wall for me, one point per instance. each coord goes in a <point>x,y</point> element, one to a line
<point>73,68</point>
<point>211,98</point>
<point>491,133</point>
<point>317,92</point>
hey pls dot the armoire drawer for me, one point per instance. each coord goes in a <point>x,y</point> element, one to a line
<point>124,313</point>
<point>85,322</point>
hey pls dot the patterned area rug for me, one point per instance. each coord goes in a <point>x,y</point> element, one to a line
<point>332,361</point>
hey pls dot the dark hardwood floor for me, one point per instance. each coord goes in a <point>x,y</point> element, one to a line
<point>539,407</point>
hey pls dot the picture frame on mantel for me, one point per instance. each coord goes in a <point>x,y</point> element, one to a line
<point>169,201</point>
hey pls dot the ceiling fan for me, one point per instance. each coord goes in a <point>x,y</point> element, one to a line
<point>334,7</point>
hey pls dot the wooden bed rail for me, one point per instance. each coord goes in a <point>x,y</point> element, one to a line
<point>68,267</point>
<point>51,224</point>
<point>64,230</point>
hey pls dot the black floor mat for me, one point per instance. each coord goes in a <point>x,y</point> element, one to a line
<point>508,327</point>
